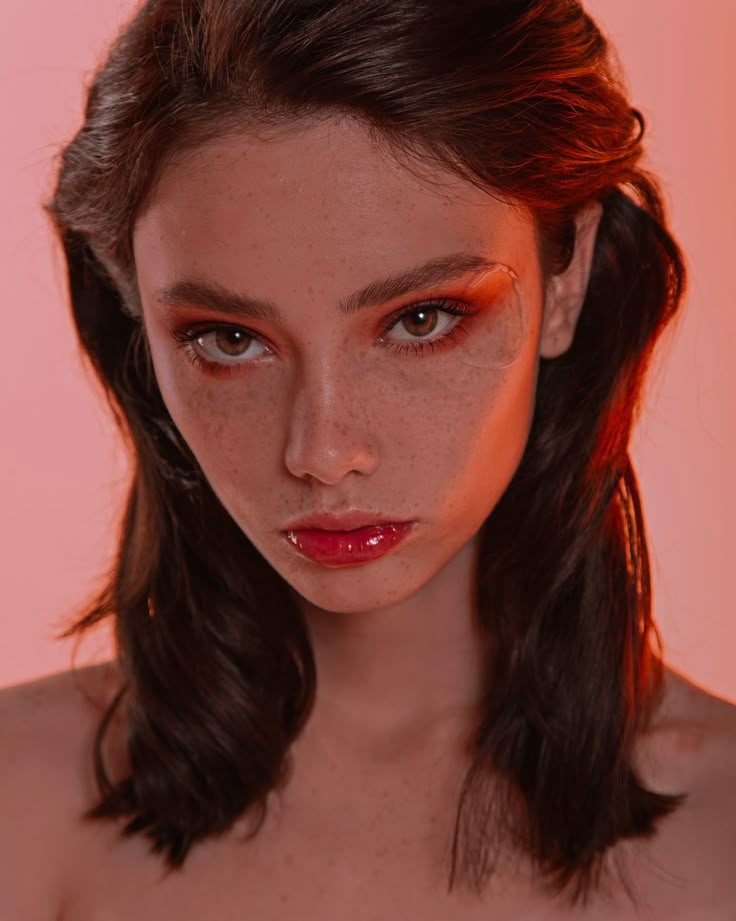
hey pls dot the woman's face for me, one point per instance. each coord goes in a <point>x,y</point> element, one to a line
<point>315,413</point>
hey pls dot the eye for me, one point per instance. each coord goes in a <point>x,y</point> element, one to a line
<point>420,321</point>
<point>230,341</point>
<point>235,344</point>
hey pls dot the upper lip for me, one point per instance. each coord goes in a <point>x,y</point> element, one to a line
<point>348,521</point>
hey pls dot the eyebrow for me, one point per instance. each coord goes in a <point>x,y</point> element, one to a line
<point>214,297</point>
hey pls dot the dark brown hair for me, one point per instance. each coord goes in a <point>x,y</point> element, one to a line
<point>523,99</point>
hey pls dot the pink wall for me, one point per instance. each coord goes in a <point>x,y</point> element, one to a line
<point>62,470</point>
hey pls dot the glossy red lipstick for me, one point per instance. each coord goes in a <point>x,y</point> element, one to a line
<point>319,539</point>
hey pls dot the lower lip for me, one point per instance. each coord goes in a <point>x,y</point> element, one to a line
<point>346,548</point>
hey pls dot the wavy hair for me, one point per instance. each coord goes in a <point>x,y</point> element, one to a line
<point>524,99</point>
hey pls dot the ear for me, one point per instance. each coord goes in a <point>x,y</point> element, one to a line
<point>565,292</point>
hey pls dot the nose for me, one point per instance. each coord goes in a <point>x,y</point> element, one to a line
<point>329,431</point>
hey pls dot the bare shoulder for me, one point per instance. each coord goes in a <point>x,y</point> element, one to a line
<point>701,727</point>
<point>691,749</point>
<point>48,721</point>
<point>47,730</point>
<point>691,744</point>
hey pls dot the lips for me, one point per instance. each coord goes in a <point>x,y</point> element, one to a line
<point>347,521</point>
<point>347,547</point>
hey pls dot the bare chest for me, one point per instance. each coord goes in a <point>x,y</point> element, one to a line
<point>360,864</point>
<point>361,871</point>
<point>368,846</point>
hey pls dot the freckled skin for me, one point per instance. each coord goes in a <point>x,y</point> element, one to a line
<point>332,421</point>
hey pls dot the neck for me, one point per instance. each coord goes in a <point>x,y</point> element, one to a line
<point>405,675</point>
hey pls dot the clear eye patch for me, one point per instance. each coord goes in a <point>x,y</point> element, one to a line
<point>436,340</point>
<point>493,337</point>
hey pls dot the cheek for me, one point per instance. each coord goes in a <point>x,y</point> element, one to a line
<point>231,430</point>
<point>485,443</point>
<point>218,420</point>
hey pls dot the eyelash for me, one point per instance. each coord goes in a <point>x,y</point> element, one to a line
<point>188,335</point>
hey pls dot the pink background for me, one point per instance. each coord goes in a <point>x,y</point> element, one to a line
<point>62,471</point>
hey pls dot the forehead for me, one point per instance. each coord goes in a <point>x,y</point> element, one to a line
<point>319,204</point>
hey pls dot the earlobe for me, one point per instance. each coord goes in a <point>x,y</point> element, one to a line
<point>565,293</point>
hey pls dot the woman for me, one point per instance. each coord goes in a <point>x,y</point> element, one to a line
<point>392,270</point>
